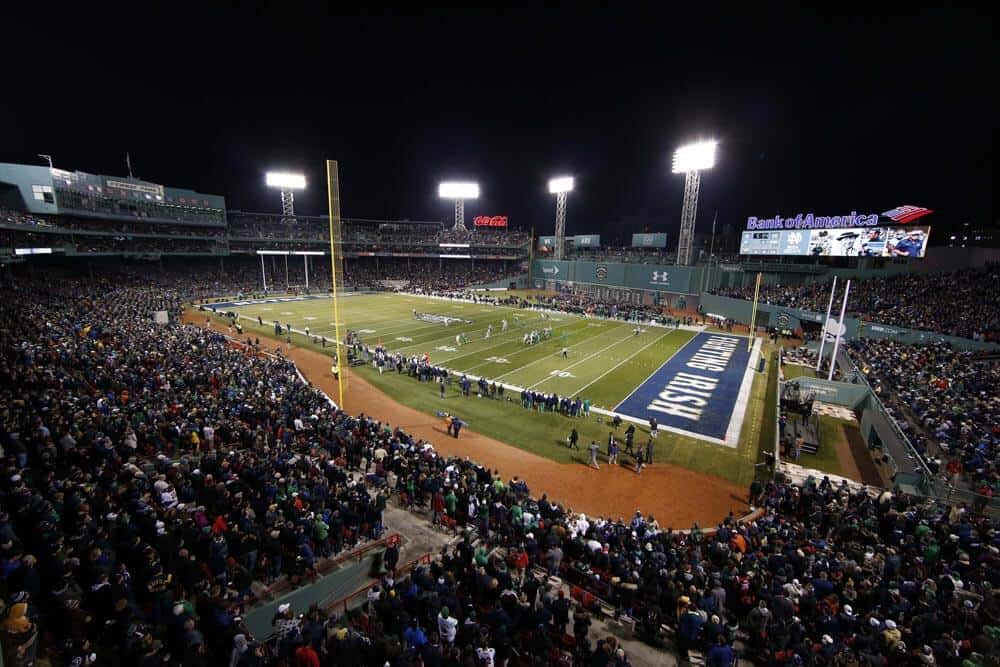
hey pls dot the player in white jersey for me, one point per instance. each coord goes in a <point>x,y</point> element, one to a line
<point>503,325</point>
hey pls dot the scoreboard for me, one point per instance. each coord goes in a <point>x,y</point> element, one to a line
<point>892,241</point>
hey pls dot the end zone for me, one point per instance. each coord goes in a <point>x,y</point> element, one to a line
<point>701,391</point>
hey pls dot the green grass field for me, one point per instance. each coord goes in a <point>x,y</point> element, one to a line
<point>793,371</point>
<point>605,362</point>
<point>826,459</point>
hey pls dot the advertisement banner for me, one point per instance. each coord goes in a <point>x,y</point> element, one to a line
<point>587,240</point>
<point>490,221</point>
<point>849,242</point>
<point>649,240</point>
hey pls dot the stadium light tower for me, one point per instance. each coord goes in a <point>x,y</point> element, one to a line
<point>560,187</point>
<point>459,192</point>
<point>288,183</point>
<point>691,160</point>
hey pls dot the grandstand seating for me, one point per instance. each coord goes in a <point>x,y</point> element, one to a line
<point>958,303</point>
<point>150,489</point>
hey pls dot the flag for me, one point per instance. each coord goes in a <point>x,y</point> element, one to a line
<point>907,213</point>
<point>128,163</point>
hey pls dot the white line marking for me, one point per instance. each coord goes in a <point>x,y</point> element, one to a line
<point>656,371</point>
<point>743,398</point>
<point>587,358</point>
<point>623,361</point>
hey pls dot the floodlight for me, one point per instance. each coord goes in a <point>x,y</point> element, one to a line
<point>286,180</point>
<point>561,184</point>
<point>458,190</point>
<point>694,157</point>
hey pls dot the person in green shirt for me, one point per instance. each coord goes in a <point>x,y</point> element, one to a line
<point>516,514</point>
<point>586,407</point>
<point>484,518</point>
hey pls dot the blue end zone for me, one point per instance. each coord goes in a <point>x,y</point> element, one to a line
<point>696,389</point>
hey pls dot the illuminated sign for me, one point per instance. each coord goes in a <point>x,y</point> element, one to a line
<point>140,188</point>
<point>907,213</point>
<point>811,221</point>
<point>853,242</point>
<point>649,240</point>
<point>490,221</point>
<point>589,240</point>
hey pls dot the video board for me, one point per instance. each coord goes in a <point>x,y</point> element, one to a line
<point>891,241</point>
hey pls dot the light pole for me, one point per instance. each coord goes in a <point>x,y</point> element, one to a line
<point>560,187</point>
<point>287,183</point>
<point>691,160</point>
<point>459,192</point>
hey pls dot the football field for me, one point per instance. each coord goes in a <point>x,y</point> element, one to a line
<point>616,365</point>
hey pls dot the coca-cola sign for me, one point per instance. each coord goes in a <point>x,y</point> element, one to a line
<point>490,221</point>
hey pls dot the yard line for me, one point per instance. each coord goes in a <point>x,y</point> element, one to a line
<point>587,358</point>
<point>619,364</point>
<point>447,337</point>
<point>532,363</point>
<point>512,339</point>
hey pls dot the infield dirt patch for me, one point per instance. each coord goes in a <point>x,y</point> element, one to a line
<point>676,496</point>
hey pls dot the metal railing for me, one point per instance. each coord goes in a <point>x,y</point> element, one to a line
<point>345,603</point>
<point>879,406</point>
<point>777,413</point>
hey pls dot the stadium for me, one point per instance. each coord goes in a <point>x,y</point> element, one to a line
<point>244,434</point>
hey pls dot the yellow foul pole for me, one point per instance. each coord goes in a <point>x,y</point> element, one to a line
<point>333,194</point>
<point>753,314</point>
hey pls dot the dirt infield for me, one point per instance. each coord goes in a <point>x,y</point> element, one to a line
<point>676,496</point>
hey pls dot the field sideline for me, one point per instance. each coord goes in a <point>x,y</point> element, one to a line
<point>606,361</point>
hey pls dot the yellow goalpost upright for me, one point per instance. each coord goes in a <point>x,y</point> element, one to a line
<point>336,272</point>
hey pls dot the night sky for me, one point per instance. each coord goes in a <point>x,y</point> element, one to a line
<point>815,112</point>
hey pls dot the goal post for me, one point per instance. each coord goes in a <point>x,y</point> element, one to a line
<point>336,272</point>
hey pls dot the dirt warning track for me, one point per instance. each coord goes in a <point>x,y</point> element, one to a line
<point>676,496</point>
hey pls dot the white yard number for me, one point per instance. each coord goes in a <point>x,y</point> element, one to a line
<point>595,325</point>
<point>498,360</point>
<point>561,374</point>
<point>405,339</point>
<point>446,348</point>
<point>366,331</point>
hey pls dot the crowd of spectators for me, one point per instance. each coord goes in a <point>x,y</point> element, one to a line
<point>946,400</point>
<point>247,232</point>
<point>585,304</point>
<point>958,303</point>
<point>153,473</point>
<point>426,275</point>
